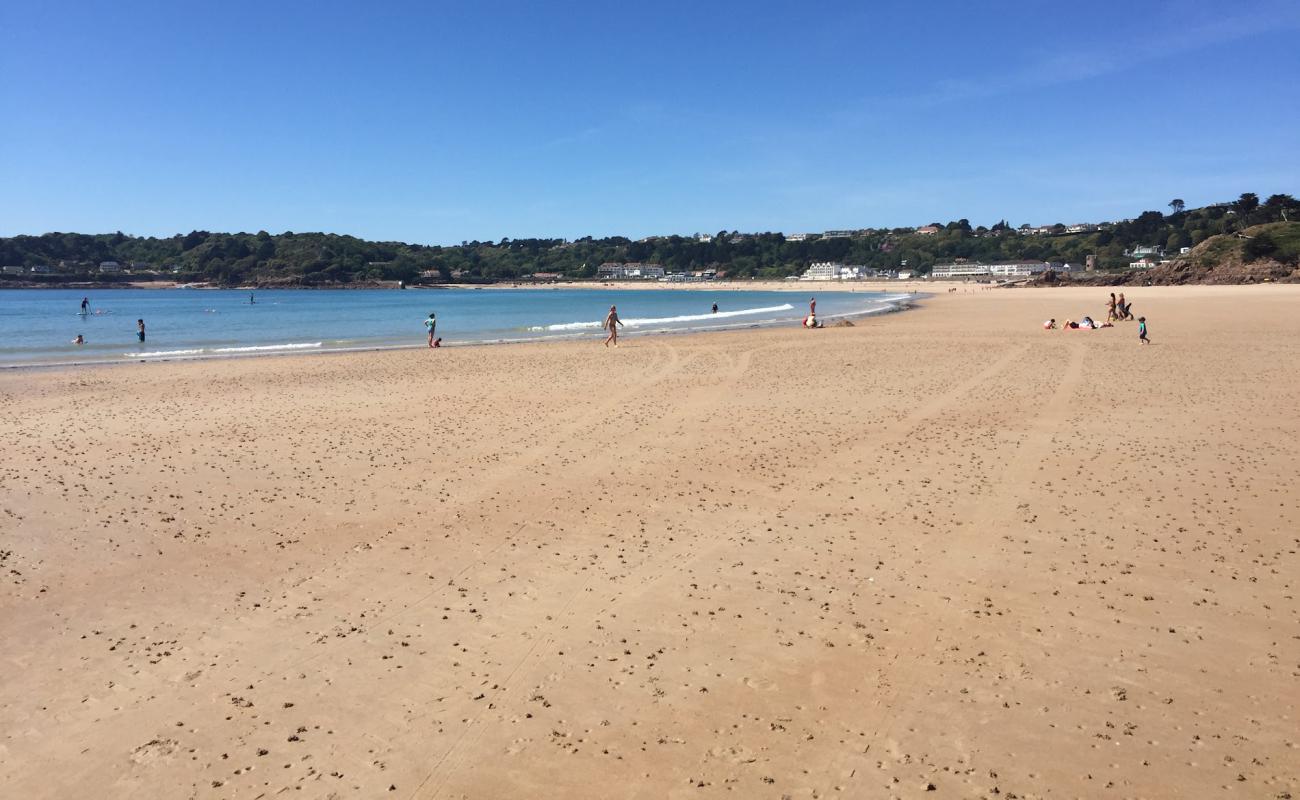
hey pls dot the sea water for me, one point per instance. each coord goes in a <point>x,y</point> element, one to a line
<point>37,326</point>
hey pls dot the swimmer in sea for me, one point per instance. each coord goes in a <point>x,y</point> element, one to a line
<point>611,324</point>
<point>715,308</point>
<point>79,340</point>
<point>139,329</point>
<point>251,301</point>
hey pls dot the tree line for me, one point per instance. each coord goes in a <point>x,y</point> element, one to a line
<point>329,259</point>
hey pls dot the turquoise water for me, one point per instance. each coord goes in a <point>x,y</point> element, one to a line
<point>38,326</point>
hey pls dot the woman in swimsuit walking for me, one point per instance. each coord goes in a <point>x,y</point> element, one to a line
<point>611,324</point>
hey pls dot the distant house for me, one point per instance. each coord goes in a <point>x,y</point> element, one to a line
<point>837,234</point>
<point>546,276</point>
<point>833,271</point>
<point>1143,263</point>
<point>110,266</point>
<point>41,269</point>
<point>613,271</point>
<point>1138,252</point>
<point>1001,269</point>
<point>799,237</point>
<point>13,270</point>
<point>703,237</point>
<point>822,271</point>
<point>929,230</point>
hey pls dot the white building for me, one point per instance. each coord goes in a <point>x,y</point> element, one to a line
<point>1005,269</point>
<point>833,271</point>
<point>949,271</point>
<point>13,270</point>
<point>837,234</point>
<point>822,271</point>
<point>645,271</point>
<point>800,237</point>
<point>634,271</point>
<point>110,266</point>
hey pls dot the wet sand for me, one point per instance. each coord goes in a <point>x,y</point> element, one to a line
<point>942,553</point>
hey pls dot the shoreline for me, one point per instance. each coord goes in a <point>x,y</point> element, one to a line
<point>902,304</point>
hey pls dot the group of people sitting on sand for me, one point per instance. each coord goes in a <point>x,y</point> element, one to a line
<point>1117,309</point>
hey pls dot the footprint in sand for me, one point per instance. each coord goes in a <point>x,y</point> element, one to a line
<point>154,750</point>
<point>761,684</point>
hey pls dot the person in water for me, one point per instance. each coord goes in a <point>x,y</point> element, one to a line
<point>85,305</point>
<point>431,323</point>
<point>812,306</point>
<point>251,301</point>
<point>139,329</point>
<point>79,340</point>
<point>715,308</point>
<point>611,324</point>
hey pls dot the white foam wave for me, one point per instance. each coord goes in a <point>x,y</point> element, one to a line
<point>163,353</point>
<point>634,323</point>
<point>267,347</point>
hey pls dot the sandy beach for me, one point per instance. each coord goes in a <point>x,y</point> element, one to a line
<point>942,553</point>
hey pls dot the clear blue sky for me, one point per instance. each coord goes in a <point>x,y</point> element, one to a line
<point>438,122</point>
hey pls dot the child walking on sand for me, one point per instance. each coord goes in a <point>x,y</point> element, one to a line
<point>1142,331</point>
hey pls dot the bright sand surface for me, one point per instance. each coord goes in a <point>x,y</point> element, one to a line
<point>942,548</point>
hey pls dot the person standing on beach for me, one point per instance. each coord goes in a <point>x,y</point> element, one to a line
<point>431,323</point>
<point>1142,331</point>
<point>1111,316</point>
<point>85,305</point>
<point>139,329</point>
<point>611,324</point>
<point>1122,306</point>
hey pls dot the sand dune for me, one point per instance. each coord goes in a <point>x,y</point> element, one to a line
<point>940,554</point>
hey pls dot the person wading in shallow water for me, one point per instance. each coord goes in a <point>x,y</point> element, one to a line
<point>611,324</point>
<point>431,323</point>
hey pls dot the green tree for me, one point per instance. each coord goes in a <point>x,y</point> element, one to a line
<point>1177,205</point>
<point>1248,202</point>
<point>1261,245</point>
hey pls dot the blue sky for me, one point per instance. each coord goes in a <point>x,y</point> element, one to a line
<point>440,122</point>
